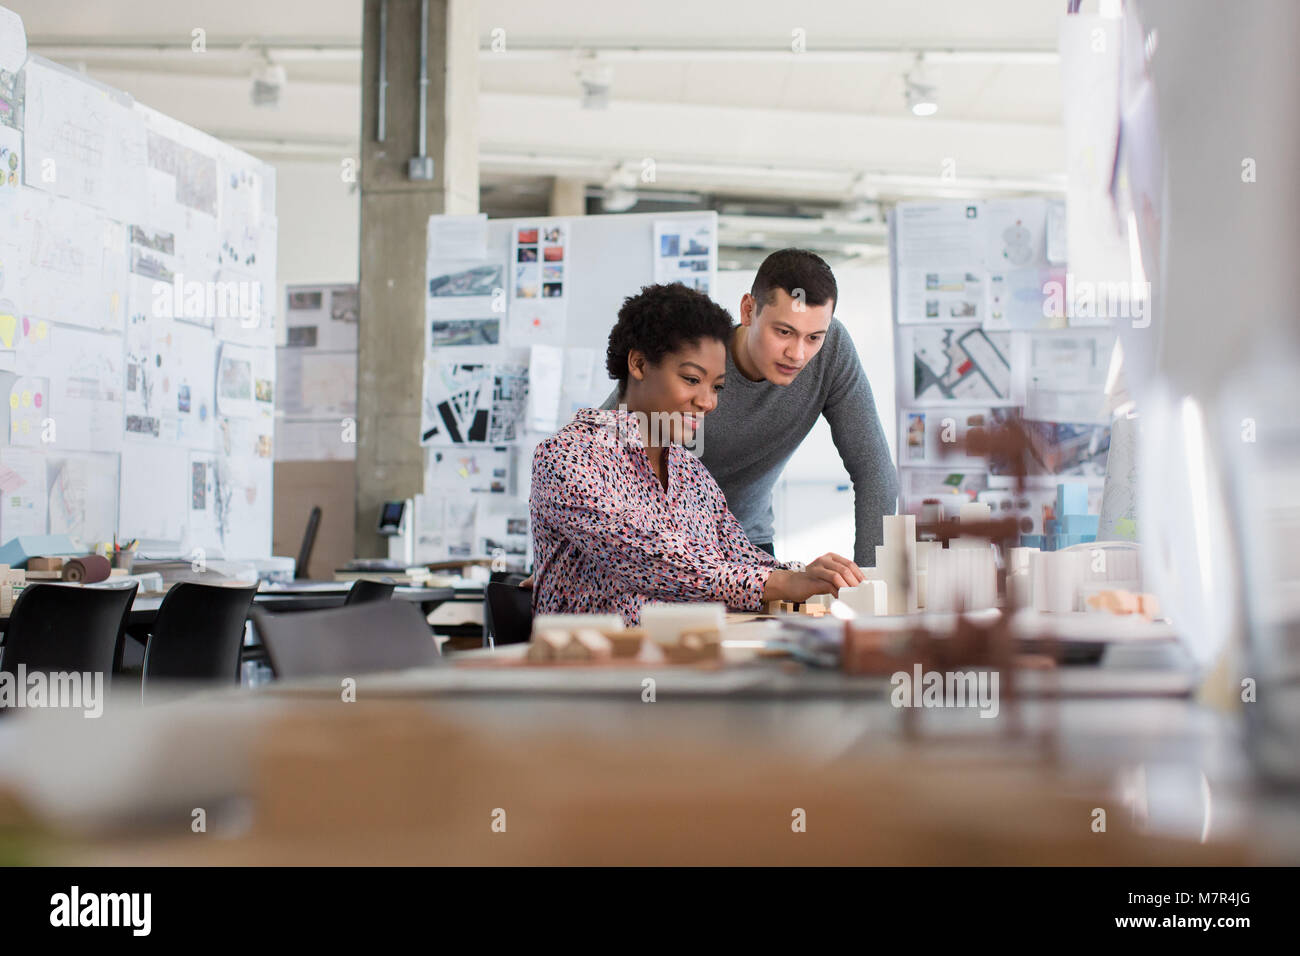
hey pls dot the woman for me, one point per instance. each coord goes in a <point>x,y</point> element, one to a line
<point>623,513</point>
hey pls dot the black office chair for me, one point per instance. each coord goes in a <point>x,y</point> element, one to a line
<point>363,592</point>
<point>508,612</point>
<point>308,542</point>
<point>197,634</point>
<point>55,627</point>
<point>346,641</point>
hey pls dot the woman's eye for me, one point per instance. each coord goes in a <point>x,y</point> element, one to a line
<point>692,381</point>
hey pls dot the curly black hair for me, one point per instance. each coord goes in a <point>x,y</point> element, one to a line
<point>661,319</point>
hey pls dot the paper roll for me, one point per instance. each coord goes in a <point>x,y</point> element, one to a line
<point>87,570</point>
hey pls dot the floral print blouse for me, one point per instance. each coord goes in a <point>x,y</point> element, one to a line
<point>607,536</point>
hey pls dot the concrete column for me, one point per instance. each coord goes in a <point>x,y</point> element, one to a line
<point>568,197</point>
<point>394,214</point>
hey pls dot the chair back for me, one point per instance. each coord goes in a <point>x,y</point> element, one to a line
<point>363,592</point>
<point>198,634</point>
<point>346,641</point>
<point>64,628</point>
<point>508,612</point>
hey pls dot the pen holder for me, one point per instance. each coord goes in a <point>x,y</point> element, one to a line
<point>124,560</point>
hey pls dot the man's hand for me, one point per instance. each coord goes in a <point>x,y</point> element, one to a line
<point>527,582</point>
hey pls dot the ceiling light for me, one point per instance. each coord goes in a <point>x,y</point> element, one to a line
<point>596,80</point>
<point>921,89</point>
<point>618,200</point>
<point>268,82</point>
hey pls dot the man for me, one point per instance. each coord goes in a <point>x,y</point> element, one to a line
<point>789,361</point>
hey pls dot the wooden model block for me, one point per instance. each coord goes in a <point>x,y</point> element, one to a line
<point>44,564</point>
<point>1148,606</point>
<point>625,643</point>
<point>574,651</point>
<point>871,652</point>
<point>1115,601</point>
<point>547,645</point>
<point>595,645</point>
<point>695,646</point>
<point>664,622</point>
<point>573,622</point>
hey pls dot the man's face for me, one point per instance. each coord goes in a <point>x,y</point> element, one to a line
<point>782,339</point>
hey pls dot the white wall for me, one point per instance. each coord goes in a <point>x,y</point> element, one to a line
<point>814,500</point>
<point>320,226</point>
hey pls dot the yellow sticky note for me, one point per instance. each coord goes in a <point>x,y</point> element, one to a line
<point>13,399</point>
<point>8,325</point>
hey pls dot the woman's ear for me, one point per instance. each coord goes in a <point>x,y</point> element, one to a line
<point>636,363</point>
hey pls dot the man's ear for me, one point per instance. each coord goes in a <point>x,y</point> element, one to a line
<point>636,363</point>
<point>748,307</point>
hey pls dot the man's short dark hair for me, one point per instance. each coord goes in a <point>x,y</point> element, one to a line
<point>792,269</point>
<point>661,319</point>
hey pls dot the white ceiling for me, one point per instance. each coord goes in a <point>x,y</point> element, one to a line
<point>709,90</point>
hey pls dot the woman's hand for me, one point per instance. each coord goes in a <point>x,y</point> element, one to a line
<point>826,575</point>
<point>842,569</point>
<point>527,582</point>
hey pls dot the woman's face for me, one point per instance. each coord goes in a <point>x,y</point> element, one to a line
<point>682,387</point>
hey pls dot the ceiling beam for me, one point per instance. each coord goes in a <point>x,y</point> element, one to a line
<point>612,51</point>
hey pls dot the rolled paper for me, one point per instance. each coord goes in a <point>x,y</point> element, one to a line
<point>87,569</point>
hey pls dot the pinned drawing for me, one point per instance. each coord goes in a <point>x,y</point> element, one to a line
<point>955,364</point>
<point>473,399</point>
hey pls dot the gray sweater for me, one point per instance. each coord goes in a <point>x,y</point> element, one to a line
<point>757,426</point>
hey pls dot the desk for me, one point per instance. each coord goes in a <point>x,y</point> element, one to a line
<point>299,596</point>
<point>315,595</point>
<point>707,773</point>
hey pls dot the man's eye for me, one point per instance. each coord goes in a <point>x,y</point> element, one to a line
<point>782,331</point>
